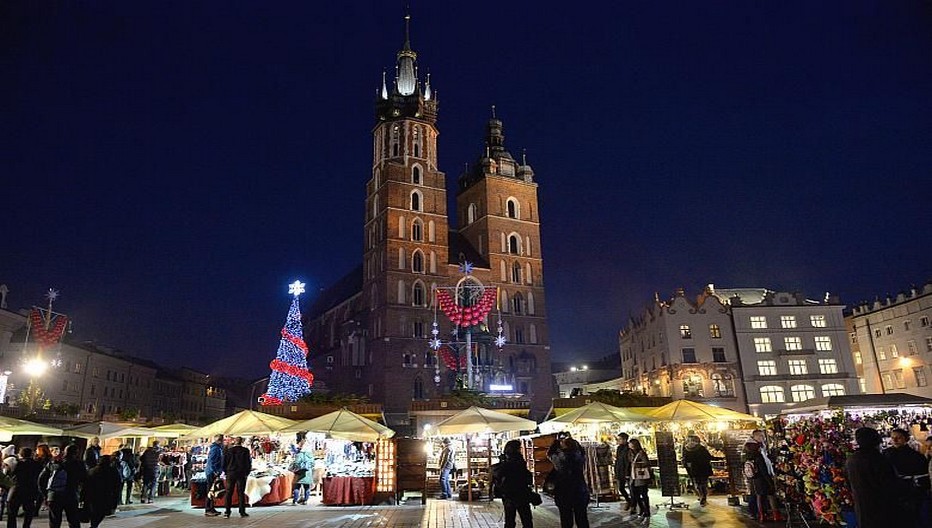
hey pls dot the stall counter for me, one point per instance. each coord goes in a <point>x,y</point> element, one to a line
<point>348,490</point>
<point>260,491</point>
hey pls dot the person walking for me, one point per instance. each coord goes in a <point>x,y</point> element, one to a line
<point>641,476</point>
<point>149,468</point>
<point>513,482</point>
<point>760,481</point>
<point>62,481</point>
<point>874,486</point>
<point>623,469</point>
<point>447,465</point>
<point>302,466</point>
<point>102,491</point>
<point>43,456</point>
<point>571,494</point>
<point>126,473</point>
<point>24,492</point>
<point>212,471</point>
<point>238,465</point>
<point>698,463</point>
<point>912,474</point>
<point>129,462</point>
<point>92,453</point>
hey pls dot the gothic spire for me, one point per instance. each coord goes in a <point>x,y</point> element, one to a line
<point>406,80</point>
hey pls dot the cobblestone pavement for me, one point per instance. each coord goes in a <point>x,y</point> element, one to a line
<point>174,512</point>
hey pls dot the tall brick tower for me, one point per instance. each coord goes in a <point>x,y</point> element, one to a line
<point>406,232</point>
<point>497,212</point>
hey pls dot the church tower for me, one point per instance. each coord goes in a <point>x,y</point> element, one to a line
<point>497,213</point>
<point>406,236</point>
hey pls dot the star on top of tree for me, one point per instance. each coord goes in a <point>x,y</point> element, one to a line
<point>296,288</point>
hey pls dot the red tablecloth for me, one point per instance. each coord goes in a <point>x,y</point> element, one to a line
<point>348,490</point>
<point>279,493</point>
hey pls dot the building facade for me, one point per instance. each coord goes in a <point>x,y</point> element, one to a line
<point>371,329</point>
<point>892,342</point>
<point>792,349</point>
<point>683,349</point>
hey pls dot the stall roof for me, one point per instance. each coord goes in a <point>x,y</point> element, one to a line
<point>850,401</point>
<point>10,427</point>
<point>479,420</point>
<point>344,424</point>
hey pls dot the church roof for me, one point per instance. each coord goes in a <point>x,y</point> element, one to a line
<point>348,286</point>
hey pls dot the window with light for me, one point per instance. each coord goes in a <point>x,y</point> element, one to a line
<point>715,332</point>
<point>685,332</point>
<point>833,389</point>
<point>798,367</point>
<point>823,343</point>
<point>802,393</point>
<point>793,343</point>
<point>771,394</point>
<point>817,321</point>
<point>762,344</point>
<point>788,321</point>
<point>767,368</point>
<point>828,366</point>
<point>758,321</point>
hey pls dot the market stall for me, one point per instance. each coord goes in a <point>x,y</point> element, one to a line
<point>482,433</point>
<point>595,426</point>
<point>112,435</point>
<point>819,437</point>
<point>269,482</point>
<point>10,427</point>
<point>354,457</point>
<point>723,431</point>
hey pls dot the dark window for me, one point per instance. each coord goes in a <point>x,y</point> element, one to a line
<point>513,245</point>
<point>689,355</point>
<point>718,354</point>
<point>512,209</point>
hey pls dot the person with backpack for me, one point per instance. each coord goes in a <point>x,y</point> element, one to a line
<point>63,481</point>
<point>212,471</point>
<point>512,483</point>
<point>760,482</point>
<point>101,492</point>
<point>24,493</point>
<point>126,477</point>
<point>128,462</point>
<point>570,492</point>
<point>641,477</point>
<point>302,466</point>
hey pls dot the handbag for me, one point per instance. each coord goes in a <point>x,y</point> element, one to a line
<point>550,483</point>
<point>642,473</point>
<point>534,498</point>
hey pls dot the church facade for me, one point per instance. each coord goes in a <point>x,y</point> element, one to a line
<point>370,333</point>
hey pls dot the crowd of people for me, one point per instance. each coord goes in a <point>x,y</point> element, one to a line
<point>73,488</point>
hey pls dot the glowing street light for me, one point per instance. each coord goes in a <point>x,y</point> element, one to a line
<point>35,367</point>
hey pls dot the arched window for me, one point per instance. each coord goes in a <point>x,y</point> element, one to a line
<point>517,304</point>
<point>692,386</point>
<point>723,385</point>
<point>802,393</point>
<point>396,132</point>
<point>530,303</point>
<point>417,230</point>
<point>416,136</point>
<point>407,360</point>
<point>418,388</point>
<point>471,212</point>
<point>416,175</point>
<point>772,394</point>
<point>516,273</point>
<point>418,295</point>
<point>417,261</point>
<point>833,389</point>
<point>514,244</point>
<point>512,208</point>
<point>415,201</point>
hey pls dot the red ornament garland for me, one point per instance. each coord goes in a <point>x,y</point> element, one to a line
<point>292,370</point>
<point>40,334</point>
<point>295,340</point>
<point>467,316</point>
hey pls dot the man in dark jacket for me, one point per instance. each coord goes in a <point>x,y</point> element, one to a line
<point>131,462</point>
<point>63,481</point>
<point>149,467</point>
<point>25,490</point>
<point>212,471</point>
<point>101,492</point>
<point>92,453</point>
<point>698,463</point>
<point>912,471</point>
<point>238,465</point>
<point>623,468</point>
<point>873,483</point>
<point>512,482</point>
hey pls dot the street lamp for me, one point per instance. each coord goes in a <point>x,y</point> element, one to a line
<point>35,367</point>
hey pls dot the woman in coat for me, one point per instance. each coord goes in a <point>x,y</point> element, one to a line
<point>698,463</point>
<point>640,477</point>
<point>760,481</point>
<point>102,490</point>
<point>513,483</point>
<point>25,490</point>
<point>571,494</point>
<point>303,462</point>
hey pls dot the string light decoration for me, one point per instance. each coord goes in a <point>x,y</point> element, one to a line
<point>467,306</point>
<point>290,378</point>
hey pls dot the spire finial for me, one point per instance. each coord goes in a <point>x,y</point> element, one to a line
<point>493,111</point>
<point>407,27</point>
<point>384,86</point>
<point>524,156</point>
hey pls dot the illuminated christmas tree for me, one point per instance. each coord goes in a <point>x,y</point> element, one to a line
<point>290,378</point>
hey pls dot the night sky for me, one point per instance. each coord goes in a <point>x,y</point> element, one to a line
<point>171,166</point>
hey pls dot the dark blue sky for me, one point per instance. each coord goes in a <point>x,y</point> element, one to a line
<point>171,166</point>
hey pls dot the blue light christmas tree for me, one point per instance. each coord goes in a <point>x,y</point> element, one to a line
<point>290,377</point>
